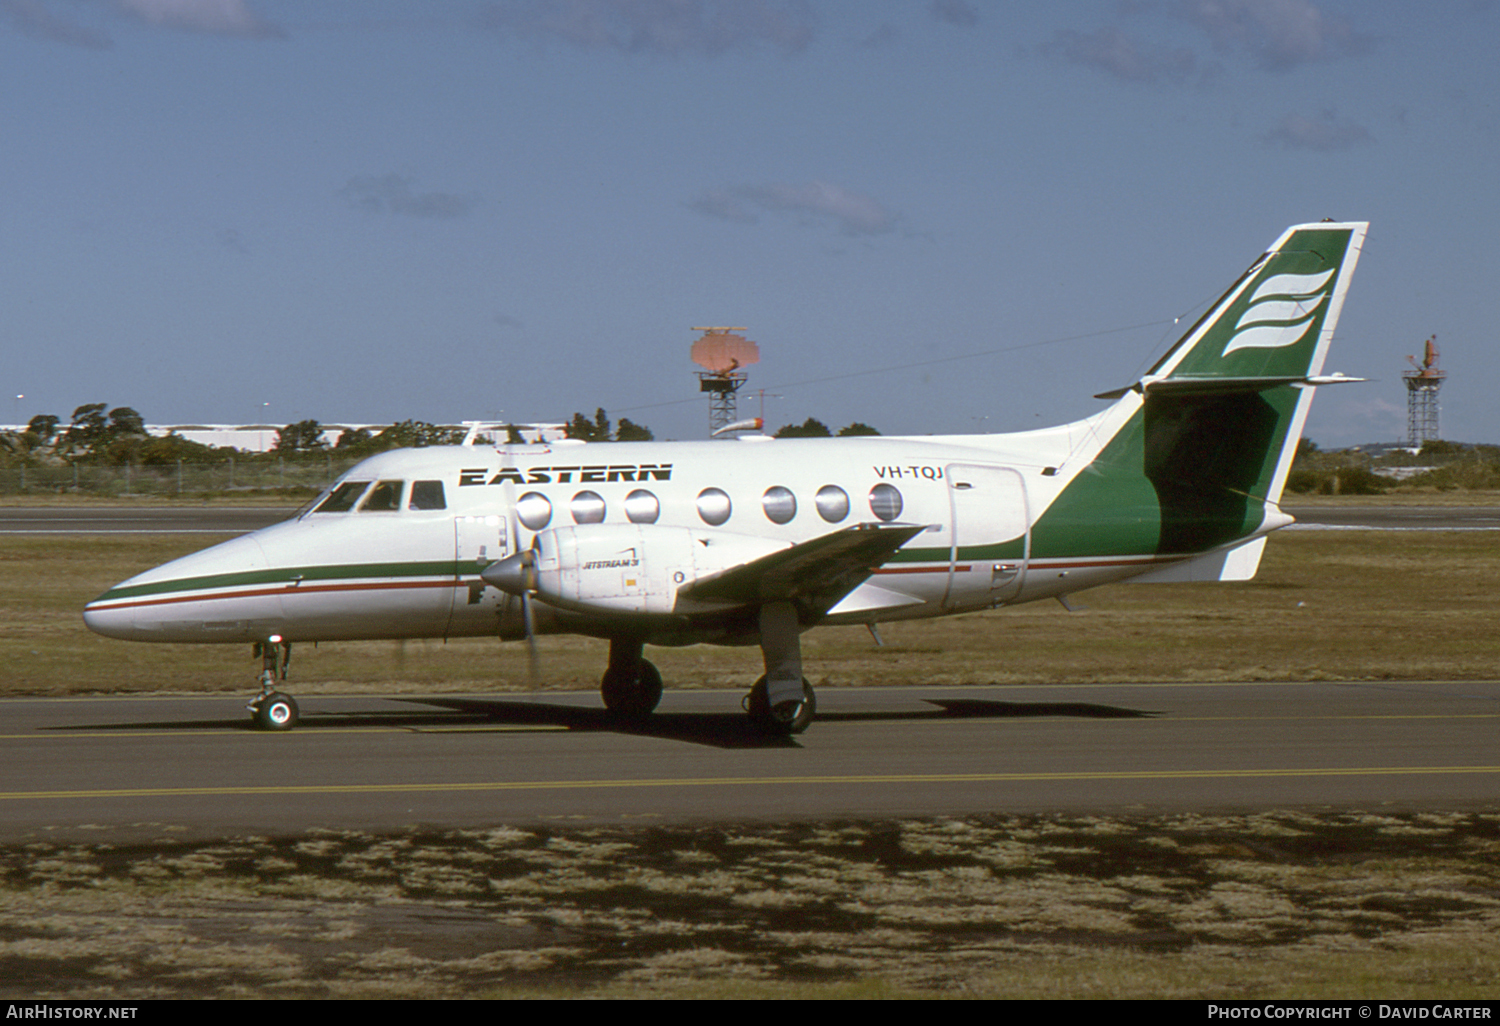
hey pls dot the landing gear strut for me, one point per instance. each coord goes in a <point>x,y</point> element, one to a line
<point>272,710</point>
<point>782,702</point>
<point>631,686</point>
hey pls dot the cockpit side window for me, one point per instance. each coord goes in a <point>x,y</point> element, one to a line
<point>427,495</point>
<point>343,498</point>
<point>385,497</point>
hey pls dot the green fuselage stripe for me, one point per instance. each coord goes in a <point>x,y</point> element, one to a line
<point>287,575</point>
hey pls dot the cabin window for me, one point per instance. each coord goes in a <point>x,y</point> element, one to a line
<point>780,504</point>
<point>427,495</point>
<point>588,508</point>
<point>343,498</point>
<point>534,511</point>
<point>833,503</point>
<point>714,506</point>
<point>641,507</point>
<point>885,502</point>
<point>385,497</point>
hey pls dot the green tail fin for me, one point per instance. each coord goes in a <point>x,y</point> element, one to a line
<point>1278,318</point>
<point>1207,436</point>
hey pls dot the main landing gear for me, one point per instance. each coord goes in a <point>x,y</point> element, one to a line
<point>272,710</point>
<point>781,703</point>
<point>785,718</point>
<point>631,687</point>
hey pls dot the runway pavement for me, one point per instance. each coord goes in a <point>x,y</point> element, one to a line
<point>120,768</point>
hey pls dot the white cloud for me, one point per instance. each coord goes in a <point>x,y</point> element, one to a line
<point>1276,35</point>
<point>392,194</point>
<point>1324,132</point>
<point>1280,34</point>
<point>34,18</point>
<point>669,27</point>
<point>218,17</point>
<point>955,12</point>
<point>1120,54</point>
<point>810,203</point>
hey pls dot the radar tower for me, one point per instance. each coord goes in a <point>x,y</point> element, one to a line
<point>721,354</point>
<point>1422,387</point>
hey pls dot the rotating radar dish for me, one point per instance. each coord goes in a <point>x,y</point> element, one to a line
<point>721,352</point>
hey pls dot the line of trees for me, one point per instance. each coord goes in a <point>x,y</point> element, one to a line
<point>814,428</point>
<point>1441,465</point>
<point>101,435</point>
<point>598,429</point>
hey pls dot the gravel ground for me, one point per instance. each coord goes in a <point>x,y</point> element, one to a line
<point>1228,906</point>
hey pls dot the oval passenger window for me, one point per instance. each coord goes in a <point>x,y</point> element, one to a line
<point>885,502</point>
<point>833,503</point>
<point>780,505</point>
<point>714,506</point>
<point>641,507</point>
<point>534,510</point>
<point>588,508</point>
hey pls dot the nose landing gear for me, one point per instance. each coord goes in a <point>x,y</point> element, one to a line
<point>272,710</point>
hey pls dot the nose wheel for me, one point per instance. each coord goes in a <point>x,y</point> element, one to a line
<point>272,710</point>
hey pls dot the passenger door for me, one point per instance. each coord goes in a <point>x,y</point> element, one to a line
<point>478,542</point>
<point>991,534</point>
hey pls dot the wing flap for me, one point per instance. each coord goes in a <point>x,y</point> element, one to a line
<point>813,575</point>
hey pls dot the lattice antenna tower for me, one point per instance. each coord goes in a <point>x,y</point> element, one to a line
<point>1422,386</point>
<point>721,354</point>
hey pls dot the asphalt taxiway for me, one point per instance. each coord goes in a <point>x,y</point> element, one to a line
<point>119,768</point>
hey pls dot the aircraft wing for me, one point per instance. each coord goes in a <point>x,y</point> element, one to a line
<point>814,576</point>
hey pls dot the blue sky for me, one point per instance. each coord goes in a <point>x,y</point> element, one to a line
<point>935,216</point>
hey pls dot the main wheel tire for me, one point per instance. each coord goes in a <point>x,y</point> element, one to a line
<point>786,719</point>
<point>276,712</point>
<point>632,696</point>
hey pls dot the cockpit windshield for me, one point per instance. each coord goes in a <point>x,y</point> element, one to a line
<point>342,498</point>
<point>385,497</point>
<point>378,497</point>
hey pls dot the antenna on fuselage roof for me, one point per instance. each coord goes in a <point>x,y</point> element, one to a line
<point>505,432</point>
<point>721,354</point>
<point>478,429</point>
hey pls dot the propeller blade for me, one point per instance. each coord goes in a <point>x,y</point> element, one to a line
<point>534,661</point>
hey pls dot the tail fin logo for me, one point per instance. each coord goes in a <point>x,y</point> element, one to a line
<point>1282,310</point>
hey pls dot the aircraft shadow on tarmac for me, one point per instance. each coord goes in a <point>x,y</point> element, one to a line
<point>713,729</point>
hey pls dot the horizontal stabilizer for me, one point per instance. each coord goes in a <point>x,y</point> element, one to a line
<point>814,575</point>
<point>1186,386</point>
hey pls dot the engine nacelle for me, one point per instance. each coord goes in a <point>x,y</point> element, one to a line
<point>633,568</point>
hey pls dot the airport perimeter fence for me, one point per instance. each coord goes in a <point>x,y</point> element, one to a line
<point>233,476</point>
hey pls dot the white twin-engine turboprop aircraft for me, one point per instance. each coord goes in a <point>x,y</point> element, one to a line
<point>755,540</point>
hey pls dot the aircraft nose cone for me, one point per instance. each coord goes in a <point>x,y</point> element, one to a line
<point>206,596</point>
<point>511,575</point>
<point>111,622</point>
